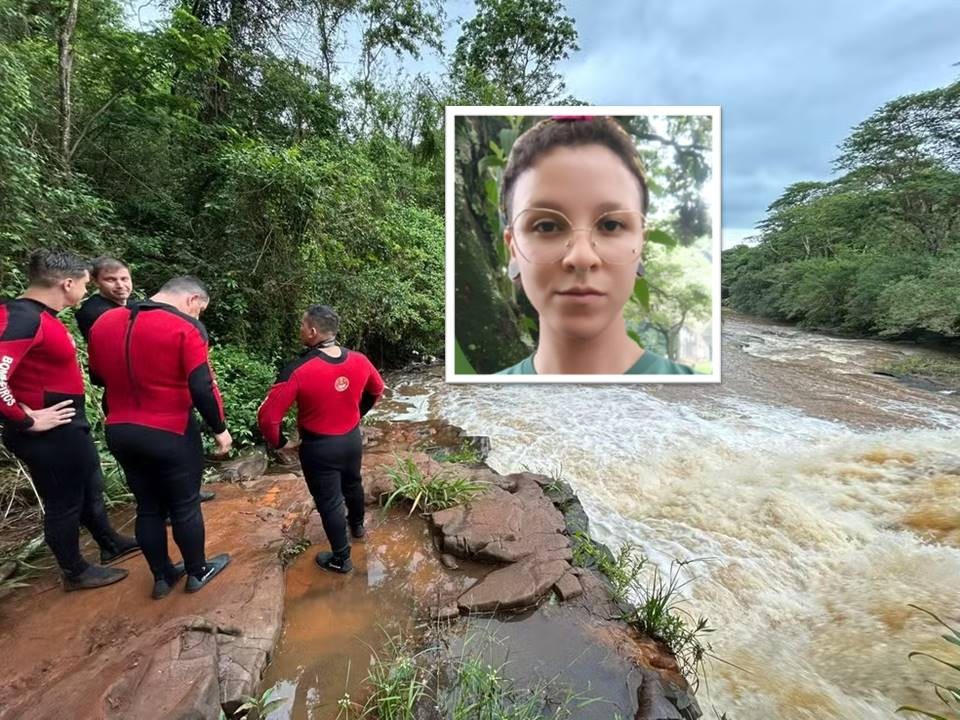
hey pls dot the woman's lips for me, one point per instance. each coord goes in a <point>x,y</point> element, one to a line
<point>581,295</point>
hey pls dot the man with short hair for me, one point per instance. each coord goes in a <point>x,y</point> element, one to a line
<point>115,285</point>
<point>153,361</point>
<point>44,422</point>
<point>333,388</point>
<point>115,289</point>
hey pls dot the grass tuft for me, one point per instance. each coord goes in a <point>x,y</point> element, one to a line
<point>428,493</point>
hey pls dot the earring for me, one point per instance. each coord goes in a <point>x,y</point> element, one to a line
<point>640,269</point>
<point>513,270</point>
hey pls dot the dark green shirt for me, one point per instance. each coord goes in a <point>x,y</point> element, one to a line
<point>648,364</point>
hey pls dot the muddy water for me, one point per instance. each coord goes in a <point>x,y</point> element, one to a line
<point>334,624</point>
<point>824,496</point>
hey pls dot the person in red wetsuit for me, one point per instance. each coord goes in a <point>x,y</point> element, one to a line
<point>152,359</point>
<point>115,285</point>
<point>333,388</point>
<point>44,422</point>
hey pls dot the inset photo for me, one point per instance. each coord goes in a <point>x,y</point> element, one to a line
<point>583,244</point>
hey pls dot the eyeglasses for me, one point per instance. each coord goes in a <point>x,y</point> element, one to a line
<point>545,236</point>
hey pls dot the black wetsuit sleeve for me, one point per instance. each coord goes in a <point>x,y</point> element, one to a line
<point>205,398</point>
<point>367,401</point>
<point>203,389</point>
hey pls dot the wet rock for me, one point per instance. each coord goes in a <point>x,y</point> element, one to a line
<point>503,526</point>
<point>658,699</point>
<point>449,561</point>
<point>446,612</point>
<point>518,585</point>
<point>568,587</point>
<point>186,654</point>
<point>371,435</point>
<point>248,467</point>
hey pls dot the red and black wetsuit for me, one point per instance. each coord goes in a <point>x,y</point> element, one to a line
<point>153,361</point>
<point>39,368</point>
<point>331,395</point>
<point>91,309</point>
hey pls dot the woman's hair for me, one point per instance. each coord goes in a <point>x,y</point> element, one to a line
<point>570,132</point>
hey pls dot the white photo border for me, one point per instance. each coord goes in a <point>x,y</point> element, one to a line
<point>714,194</point>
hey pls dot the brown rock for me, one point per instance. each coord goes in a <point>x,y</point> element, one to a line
<point>515,586</point>
<point>449,561</point>
<point>150,659</point>
<point>503,526</point>
<point>568,587</point>
<point>248,467</point>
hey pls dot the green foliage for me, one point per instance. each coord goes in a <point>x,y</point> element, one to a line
<point>876,251</point>
<point>622,570</point>
<point>462,687</point>
<point>27,563</point>
<point>428,492</point>
<point>949,695</point>
<point>243,380</point>
<point>258,707</point>
<point>653,602</point>
<point>466,454</point>
<point>508,51</point>
<point>659,614</point>
<point>937,368</point>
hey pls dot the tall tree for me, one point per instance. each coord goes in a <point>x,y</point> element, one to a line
<point>513,46</point>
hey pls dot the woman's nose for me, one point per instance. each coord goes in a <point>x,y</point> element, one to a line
<point>581,253</point>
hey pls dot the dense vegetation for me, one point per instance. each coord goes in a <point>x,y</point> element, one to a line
<point>875,251</point>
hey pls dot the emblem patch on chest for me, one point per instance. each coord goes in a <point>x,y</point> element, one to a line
<point>341,384</point>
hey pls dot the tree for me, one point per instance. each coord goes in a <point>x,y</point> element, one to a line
<point>510,48</point>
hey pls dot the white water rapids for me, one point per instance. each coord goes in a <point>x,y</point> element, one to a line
<point>827,497</point>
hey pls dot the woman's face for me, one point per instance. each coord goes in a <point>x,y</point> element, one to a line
<point>579,295</point>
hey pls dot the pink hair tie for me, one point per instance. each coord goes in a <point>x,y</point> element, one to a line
<point>571,118</point>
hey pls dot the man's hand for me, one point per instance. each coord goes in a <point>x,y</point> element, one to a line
<point>224,443</point>
<point>50,417</point>
<point>289,446</point>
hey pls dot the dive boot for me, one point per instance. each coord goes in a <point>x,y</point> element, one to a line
<point>213,567</point>
<point>357,531</point>
<point>163,586</point>
<point>123,547</point>
<point>93,577</point>
<point>334,562</point>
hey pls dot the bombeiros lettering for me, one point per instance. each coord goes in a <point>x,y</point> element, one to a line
<point>6,362</point>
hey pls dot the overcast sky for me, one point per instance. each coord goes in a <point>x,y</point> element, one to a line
<point>792,80</point>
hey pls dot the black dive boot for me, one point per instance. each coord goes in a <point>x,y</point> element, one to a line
<point>93,577</point>
<point>212,569</point>
<point>335,561</point>
<point>123,546</point>
<point>163,586</point>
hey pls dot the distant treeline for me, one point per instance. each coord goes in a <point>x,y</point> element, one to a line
<point>875,252</point>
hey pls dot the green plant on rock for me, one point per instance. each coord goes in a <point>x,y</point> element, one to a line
<point>659,614</point>
<point>465,454</point>
<point>291,551</point>
<point>949,695</point>
<point>256,708</point>
<point>622,570</point>
<point>428,492</point>
<point>397,682</point>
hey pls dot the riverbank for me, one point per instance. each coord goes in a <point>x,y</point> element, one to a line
<point>505,560</point>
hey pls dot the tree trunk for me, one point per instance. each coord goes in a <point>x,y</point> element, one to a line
<point>64,39</point>
<point>487,324</point>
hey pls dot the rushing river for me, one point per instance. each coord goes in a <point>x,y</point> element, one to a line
<point>826,498</point>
